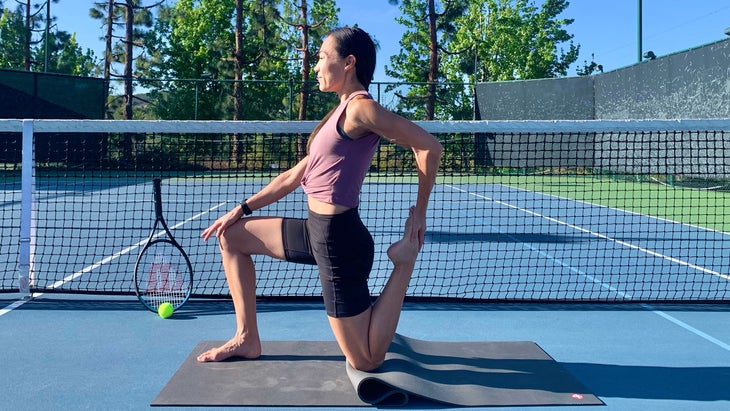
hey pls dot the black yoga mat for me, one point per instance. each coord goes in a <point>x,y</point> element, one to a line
<point>314,373</point>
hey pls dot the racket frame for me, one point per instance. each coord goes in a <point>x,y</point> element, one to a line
<point>151,241</point>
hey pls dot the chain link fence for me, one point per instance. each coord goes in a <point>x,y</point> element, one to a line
<point>215,99</point>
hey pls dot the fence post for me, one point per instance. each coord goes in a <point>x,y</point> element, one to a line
<point>291,99</point>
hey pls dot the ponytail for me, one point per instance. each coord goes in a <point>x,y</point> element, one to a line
<point>319,127</point>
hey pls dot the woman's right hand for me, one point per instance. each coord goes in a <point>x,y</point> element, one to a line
<point>220,225</point>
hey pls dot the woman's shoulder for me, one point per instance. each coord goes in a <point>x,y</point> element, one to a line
<point>362,116</point>
<point>363,104</point>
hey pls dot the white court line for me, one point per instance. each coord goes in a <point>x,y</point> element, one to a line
<point>542,253</point>
<point>599,235</point>
<point>12,306</point>
<point>107,259</point>
<point>688,327</point>
<point>648,307</point>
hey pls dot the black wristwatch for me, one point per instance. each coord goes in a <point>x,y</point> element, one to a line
<point>245,208</point>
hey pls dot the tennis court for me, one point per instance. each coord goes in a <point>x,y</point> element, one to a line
<point>525,245</point>
<point>614,264</point>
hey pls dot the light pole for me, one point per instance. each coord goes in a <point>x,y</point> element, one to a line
<point>204,76</point>
<point>47,30</point>
<point>638,32</point>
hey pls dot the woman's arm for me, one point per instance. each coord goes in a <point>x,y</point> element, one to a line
<point>366,114</point>
<point>279,187</point>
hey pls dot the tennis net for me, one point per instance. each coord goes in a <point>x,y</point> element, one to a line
<point>522,210</point>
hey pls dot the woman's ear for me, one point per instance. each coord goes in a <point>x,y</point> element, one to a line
<point>350,62</point>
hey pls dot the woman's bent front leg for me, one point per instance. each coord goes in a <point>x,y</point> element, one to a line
<point>237,244</point>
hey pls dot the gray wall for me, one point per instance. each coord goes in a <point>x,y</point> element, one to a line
<point>549,99</point>
<point>690,84</point>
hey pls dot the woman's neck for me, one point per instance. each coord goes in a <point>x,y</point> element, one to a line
<point>348,91</point>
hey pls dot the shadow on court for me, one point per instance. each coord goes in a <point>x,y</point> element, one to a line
<point>192,309</point>
<point>206,306</point>
<point>415,304</point>
<point>653,382</point>
<point>456,237</point>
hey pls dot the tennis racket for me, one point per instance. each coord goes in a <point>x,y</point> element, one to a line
<point>163,272</point>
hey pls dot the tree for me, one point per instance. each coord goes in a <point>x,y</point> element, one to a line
<point>135,15</point>
<point>465,41</point>
<point>47,32</point>
<point>65,55</point>
<point>589,68</point>
<point>512,40</point>
<point>238,58</point>
<point>31,23</point>
<point>193,42</point>
<point>137,19</point>
<point>258,56</point>
<point>430,29</point>
<point>109,14</point>
<point>307,27</point>
<point>12,33</point>
<point>57,51</point>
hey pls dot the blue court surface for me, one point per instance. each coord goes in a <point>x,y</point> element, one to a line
<point>71,352</point>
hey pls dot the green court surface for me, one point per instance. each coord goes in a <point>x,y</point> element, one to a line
<point>639,194</point>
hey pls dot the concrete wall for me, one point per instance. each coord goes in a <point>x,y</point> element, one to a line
<point>561,98</point>
<point>690,84</point>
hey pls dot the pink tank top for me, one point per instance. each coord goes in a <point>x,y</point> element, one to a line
<point>337,164</point>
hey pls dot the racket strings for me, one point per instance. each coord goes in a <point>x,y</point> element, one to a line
<point>163,275</point>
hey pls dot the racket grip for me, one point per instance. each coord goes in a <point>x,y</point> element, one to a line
<point>157,187</point>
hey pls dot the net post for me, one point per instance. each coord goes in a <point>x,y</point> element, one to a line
<point>27,211</point>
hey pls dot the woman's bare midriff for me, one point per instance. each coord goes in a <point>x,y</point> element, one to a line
<point>320,207</point>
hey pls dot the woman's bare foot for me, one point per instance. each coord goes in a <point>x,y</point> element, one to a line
<point>405,250</point>
<point>235,347</point>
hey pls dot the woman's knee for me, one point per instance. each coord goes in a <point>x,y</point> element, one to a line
<point>234,238</point>
<point>367,364</point>
<point>224,241</point>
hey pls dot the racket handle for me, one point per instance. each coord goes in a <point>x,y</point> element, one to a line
<point>157,187</point>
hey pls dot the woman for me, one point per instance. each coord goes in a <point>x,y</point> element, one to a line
<point>339,153</point>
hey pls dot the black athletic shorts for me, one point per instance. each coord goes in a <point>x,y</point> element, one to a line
<point>343,249</point>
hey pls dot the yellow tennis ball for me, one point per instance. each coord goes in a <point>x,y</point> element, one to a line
<point>165,310</point>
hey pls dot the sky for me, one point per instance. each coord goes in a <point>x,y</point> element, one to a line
<point>605,30</point>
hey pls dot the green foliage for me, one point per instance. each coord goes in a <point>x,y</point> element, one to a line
<point>505,40</point>
<point>195,40</point>
<point>65,56</point>
<point>189,40</point>
<point>468,41</point>
<point>430,27</point>
<point>12,32</point>
<point>448,46</point>
<point>589,68</point>
<point>305,24</point>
